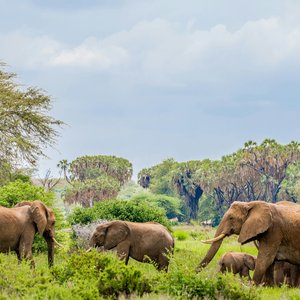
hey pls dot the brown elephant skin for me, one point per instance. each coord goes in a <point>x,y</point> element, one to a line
<point>140,241</point>
<point>237,263</point>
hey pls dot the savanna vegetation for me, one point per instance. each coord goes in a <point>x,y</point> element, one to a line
<point>179,195</point>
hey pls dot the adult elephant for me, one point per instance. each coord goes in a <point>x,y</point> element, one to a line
<point>19,224</point>
<point>275,227</point>
<point>144,242</point>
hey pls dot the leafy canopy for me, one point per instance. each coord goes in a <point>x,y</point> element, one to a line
<point>25,126</point>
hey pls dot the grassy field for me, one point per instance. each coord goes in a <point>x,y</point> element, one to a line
<point>80,275</point>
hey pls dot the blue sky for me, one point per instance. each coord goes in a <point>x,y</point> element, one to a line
<point>150,80</point>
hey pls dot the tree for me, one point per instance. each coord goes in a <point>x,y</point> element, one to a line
<point>174,179</point>
<point>95,178</point>
<point>25,126</point>
<point>159,177</point>
<point>270,161</point>
<point>187,187</point>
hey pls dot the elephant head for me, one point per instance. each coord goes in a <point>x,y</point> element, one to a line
<point>249,261</point>
<point>246,219</point>
<point>43,219</point>
<point>109,234</point>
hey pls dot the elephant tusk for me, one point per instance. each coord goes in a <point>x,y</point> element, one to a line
<point>219,237</point>
<point>57,243</point>
<point>89,250</point>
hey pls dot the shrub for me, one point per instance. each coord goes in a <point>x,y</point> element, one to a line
<point>18,191</point>
<point>134,211</point>
<point>181,235</point>
<point>103,273</point>
<point>170,204</point>
<point>185,284</point>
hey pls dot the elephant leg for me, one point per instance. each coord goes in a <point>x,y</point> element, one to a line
<point>163,262</point>
<point>25,250</point>
<point>123,251</point>
<point>269,276</point>
<point>245,272</point>
<point>262,269</point>
<point>278,272</point>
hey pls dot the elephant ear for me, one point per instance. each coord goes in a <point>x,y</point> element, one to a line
<point>39,215</point>
<point>249,261</point>
<point>259,219</point>
<point>116,232</point>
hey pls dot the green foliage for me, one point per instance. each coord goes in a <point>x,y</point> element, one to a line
<point>159,177</point>
<point>5,172</point>
<point>91,167</point>
<point>104,274</point>
<point>92,190</point>
<point>180,235</point>
<point>129,190</point>
<point>25,127</point>
<point>132,210</point>
<point>95,178</point>
<point>171,205</point>
<point>18,191</point>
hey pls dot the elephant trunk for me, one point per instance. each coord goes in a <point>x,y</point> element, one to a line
<point>50,244</point>
<point>219,236</point>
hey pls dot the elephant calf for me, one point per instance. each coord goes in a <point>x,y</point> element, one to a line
<point>285,272</point>
<point>237,263</point>
<point>143,242</point>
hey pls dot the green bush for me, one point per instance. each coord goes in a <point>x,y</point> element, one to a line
<point>101,274</point>
<point>131,210</point>
<point>170,204</point>
<point>183,284</point>
<point>181,235</point>
<point>18,190</point>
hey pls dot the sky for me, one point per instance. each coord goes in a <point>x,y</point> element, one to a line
<point>150,80</point>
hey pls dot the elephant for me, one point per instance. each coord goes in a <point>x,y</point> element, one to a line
<point>237,263</point>
<point>285,272</point>
<point>18,226</point>
<point>275,226</point>
<point>144,242</point>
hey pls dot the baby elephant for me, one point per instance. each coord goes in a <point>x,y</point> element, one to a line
<point>143,242</point>
<point>237,263</point>
<point>285,272</point>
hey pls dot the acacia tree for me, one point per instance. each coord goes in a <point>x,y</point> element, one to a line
<point>25,126</point>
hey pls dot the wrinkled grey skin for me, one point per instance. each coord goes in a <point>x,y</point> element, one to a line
<point>237,263</point>
<point>140,241</point>
<point>275,226</point>
<point>19,224</point>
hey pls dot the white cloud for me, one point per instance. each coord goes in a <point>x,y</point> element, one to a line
<point>162,53</point>
<point>91,54</point>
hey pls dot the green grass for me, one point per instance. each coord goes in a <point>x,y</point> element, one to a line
<point>81,275</point>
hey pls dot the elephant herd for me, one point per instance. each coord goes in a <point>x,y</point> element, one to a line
<point>275,228</point>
